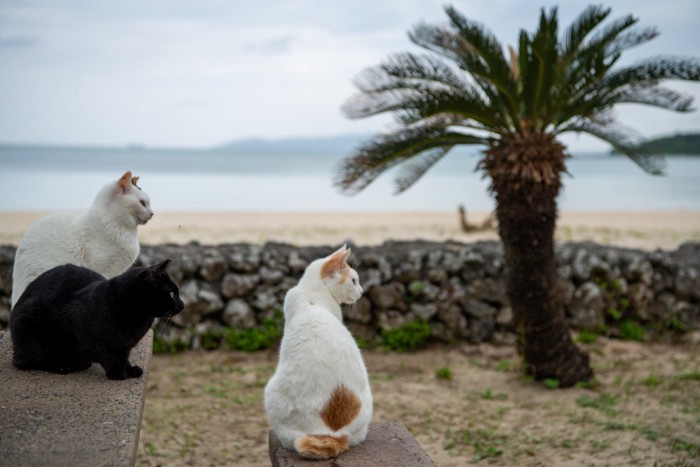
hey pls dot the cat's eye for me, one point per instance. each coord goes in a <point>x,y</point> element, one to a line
<point>354,281</point>
<point>143,203</point>
<point>172,294</point>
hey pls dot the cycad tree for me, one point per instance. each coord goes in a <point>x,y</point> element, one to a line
<point>467,89</point>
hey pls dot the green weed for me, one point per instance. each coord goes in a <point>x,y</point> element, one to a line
<point>444,373</point>
<point>604,403</point>
<point>416,287</point>
<point>150,449</point>
<point>211,340</point>
<point>485,444</point>
<point>161,346</point>
<point>505,365</point>
<point>551,383</point>
<point>651,380</point>
<point>631,331</point>
<point>410,336</point>
<point>614,313</point>
<point>258,338</point>
<point>587,337</point>
<point>490,395</point>
<point>690,376</point>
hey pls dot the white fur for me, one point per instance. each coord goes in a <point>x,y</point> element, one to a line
<point>317,355</point>
<point>104,238</point>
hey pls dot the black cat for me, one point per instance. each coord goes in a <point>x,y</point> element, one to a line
<point>70,316</point>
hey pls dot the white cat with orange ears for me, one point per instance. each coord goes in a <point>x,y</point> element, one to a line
<point>319,400</point>
<point>104,238</point>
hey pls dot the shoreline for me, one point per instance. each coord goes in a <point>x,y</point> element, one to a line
<point>646,230</point>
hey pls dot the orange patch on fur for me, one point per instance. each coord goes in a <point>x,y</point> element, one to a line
<point>341,408</point>
<point>322,446</point>
<point>335,263</point>
<point>124,181</point>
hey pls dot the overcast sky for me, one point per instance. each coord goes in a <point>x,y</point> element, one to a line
<point>179,73</point>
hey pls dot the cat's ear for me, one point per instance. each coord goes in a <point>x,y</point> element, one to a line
<point>162,266</point>
<point>124,182</point>
<point>134,181</point>
<point>335,262</point>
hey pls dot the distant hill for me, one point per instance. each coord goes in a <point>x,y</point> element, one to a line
<point>342,144</point>
<point>688,144</point>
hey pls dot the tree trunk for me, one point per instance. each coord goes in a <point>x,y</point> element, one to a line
<point>526,211</point>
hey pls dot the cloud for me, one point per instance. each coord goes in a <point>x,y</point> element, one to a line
<point>272,46</point>
<point>195,73</point>
<point>18,41</point>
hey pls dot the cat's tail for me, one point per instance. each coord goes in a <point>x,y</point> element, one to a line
<point>321,446</point>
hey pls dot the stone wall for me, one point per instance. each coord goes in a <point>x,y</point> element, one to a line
<point>459,289</point>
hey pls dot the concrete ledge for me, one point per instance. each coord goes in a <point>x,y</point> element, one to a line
<point>387,445</point>
<point>79,419</point>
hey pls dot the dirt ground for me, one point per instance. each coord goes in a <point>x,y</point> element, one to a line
<point>206,408</point>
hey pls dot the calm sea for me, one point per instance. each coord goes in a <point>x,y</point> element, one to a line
<point>49,178</point>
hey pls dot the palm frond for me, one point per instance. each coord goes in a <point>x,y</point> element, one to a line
<point>595,56</point>
<point>582,26</point>
<point>653,70</point>
<point>386,151</point>
<point>417,87</point>
<point>631,39</point>
<point>476,50</point>
<point>631,84</point>
<point>414,169</point>
<point>623,139</point>
<point>655,96</point>
<point>610,33</point>
<point>410,70</point>
<point>537,82</point>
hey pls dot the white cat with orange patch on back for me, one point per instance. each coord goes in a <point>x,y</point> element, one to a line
<point>319,400</point>
<point>103,238</point>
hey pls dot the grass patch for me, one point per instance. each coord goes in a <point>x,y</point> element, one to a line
<point>258,338</point>
<point>680,445</point>
<point>149,449</point>
<point>651,380</point>
<point>551,383</point>
<point>444,373</point>
<point>505,365</point>
<point>485,444</point>
<point>587,337</point>
<point>631,331</point>
<point>604,403</point>
<point>161,346</point>
<point>211,340</point>
<point>493,396</point>
<point>690,376</point>
<point>410,336</point>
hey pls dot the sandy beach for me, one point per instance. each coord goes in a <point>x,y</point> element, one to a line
<point>644,230</point>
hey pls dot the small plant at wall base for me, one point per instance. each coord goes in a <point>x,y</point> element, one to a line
<point>631,331</point>
<point>409,336</point>
<point>256,338</point>
<point>161,346</point>
<point>211,340</point>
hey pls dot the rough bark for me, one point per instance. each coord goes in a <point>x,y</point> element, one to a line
<point>526,178</point>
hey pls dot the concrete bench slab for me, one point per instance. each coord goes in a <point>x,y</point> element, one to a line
<point>79,419</point>
<point>386,445</point>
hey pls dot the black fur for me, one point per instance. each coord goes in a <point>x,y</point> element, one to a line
<point>70,317</point>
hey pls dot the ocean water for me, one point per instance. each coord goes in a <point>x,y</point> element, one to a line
<point>53,178</point>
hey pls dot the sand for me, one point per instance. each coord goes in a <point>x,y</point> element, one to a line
<point>644,230</point>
